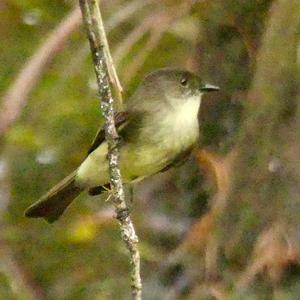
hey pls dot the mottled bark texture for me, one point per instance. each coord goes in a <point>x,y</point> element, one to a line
<point>99,48</point>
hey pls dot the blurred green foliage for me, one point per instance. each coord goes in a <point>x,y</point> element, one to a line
<point>82,256</point>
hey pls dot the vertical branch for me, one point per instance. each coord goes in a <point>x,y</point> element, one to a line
<point>95,31</point>
<point>107,59</point>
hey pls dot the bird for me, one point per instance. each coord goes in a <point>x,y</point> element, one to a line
<point>158,129</point>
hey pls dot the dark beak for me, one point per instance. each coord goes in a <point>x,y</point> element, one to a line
<point>209,88</point>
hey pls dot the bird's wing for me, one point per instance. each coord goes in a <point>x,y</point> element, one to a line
<point>179,160</point>
<point>120,119</point>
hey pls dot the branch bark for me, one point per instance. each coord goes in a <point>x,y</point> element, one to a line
<point>96,34</point>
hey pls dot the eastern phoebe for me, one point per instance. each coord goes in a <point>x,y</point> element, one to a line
<point>158,129</point>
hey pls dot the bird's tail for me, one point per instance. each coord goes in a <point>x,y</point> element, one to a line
<point>52,205</point>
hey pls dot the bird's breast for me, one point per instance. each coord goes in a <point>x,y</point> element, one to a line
<point>160,143</point>
<point>182,124</point>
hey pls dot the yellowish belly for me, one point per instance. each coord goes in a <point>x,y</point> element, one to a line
<point>136,162</point>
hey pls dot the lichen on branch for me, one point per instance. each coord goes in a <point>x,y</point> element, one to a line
<point>102,63</point>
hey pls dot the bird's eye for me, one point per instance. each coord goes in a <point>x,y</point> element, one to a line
<point>183,81</point>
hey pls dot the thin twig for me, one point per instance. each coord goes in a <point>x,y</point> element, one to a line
<point>109,62</point>
<point>129,9</point>
<point>93,22</point>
